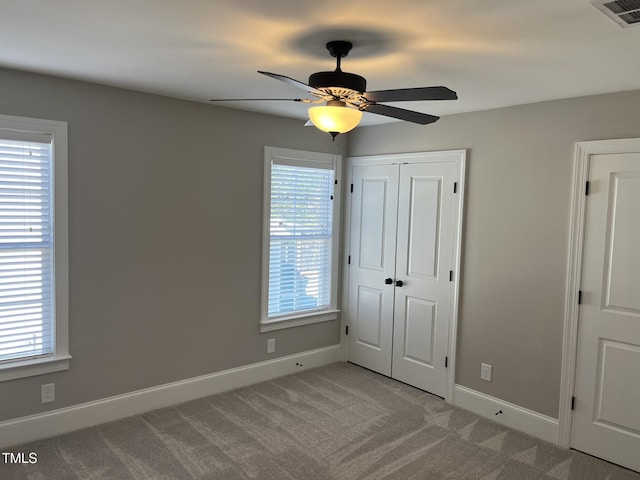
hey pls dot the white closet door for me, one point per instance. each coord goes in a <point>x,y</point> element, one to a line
<point>425,255</point>
<point>372,250</point>
<point>606,420</point>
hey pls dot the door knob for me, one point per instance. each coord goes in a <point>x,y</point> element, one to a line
<point>399,283</point>
<point>388,281</point>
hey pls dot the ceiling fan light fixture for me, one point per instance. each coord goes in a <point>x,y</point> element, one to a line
<point>335,117</point>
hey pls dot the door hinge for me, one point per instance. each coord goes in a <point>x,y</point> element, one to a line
<point>455,187</point>
<point>352,188</point>
<point>451,275</point>
<point>331,197</point>
<point>346,330</point>
<point>349,260</point>
<point>579,297</point>
<point>446,362</point>
<point>573,403</point>
<point>335,182</point>
<point>586,188</point>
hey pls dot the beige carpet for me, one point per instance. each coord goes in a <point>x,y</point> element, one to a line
<point>336,422</point>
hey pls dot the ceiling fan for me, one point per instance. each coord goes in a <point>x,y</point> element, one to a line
<point>346,96</point>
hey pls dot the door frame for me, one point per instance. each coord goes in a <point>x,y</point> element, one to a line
<point>459,158</point>
<point>583,153</point>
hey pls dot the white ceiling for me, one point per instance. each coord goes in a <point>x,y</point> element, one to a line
<point>494,53</point>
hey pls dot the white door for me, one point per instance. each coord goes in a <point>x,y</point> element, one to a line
<point>403,244</point>
<point>372,251</point>
<point>425,253</point>
<point>606,419</point>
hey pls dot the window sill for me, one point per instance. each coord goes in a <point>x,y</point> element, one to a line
<point>298,320</point>
<point>30,368</point>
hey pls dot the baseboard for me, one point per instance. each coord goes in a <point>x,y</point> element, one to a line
<point>44,425</point>
<point>513,416</point>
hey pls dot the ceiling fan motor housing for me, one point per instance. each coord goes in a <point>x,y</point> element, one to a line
<point>338,79</point>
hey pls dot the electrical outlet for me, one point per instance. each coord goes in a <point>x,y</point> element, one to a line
<point>271,345</point>
<point>47,393</point>
<point>485,372</point>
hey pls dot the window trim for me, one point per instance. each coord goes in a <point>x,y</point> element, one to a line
<point>59,359</point>
<point>287,156</point>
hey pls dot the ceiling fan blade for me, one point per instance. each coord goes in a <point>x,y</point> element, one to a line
<point>304,100</point>
<point>411,94</point>
<point>295,83</point>
<point>401,113</point>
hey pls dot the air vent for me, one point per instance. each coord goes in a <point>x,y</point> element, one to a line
<point>625,13</point>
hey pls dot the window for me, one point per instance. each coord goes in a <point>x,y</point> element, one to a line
<point>33,247</point>
<point>300,238</point>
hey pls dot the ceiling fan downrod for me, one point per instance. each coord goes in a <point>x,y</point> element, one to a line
<point>339,49</point>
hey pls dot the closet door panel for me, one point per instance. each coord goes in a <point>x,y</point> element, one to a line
<point>425,239</point>
<point>372,249</point>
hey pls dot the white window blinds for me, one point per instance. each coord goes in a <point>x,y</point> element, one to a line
<point>26,246</point>
<point>300,247</point>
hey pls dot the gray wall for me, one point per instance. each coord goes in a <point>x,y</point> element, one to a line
<point>165,235</point>
<point>519,170</point>
<point>165,216</point>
